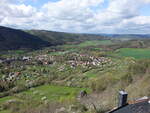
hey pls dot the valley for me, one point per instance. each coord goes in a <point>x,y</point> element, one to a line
<point>51,78</point>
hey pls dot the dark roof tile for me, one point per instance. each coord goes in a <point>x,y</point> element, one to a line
<point>141,106</point>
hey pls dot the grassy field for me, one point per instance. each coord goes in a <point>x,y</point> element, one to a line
<point>89,43</point>
<point>51,92</point>
<point>44,93</point>
<point>95,43</point>
<point>5,111</point>
<point>75,48</point>
<point>134,52</point>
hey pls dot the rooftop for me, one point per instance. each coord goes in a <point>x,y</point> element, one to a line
<point>139,106</point>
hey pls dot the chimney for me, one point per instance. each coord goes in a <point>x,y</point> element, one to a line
<point>122,98</point>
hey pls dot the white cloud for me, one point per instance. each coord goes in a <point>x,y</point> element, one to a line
<point>146,1</point>
<point>139,24</point>
<point>18,15</point>
<point>121,16</point>
<point>72,9</point>
<point>70,15</point>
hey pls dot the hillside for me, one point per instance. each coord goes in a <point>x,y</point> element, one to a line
<point>56,38</point>
<point>11,39</point>
<point>50,79</point>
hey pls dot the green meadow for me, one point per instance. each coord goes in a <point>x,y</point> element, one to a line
<point>44,93</point>
<point>138,53</point>
<point>95,43</point>
<point>49,91</point>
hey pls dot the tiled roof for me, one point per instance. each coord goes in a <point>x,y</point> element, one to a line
<point>140,106</point>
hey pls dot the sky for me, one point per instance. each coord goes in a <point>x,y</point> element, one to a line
<point>78,16</point>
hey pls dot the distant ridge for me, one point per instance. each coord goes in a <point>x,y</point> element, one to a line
<point>127,35</point>
<point>56,38</point>
<point>12,39</point>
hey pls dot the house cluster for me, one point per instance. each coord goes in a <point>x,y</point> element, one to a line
<point>62,68</point>
<point>26,58</point>
<point>7,60</point>
<point>45,59</point>
<point>100,61</point>
<point>11,76</point>
<point>1,61</point>
<point>40,59</point>
<point>87,60</point>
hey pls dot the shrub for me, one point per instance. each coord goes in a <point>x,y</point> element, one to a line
<point>140,67</point>
<point>6,85</point>
<point>101,83</point>
<point>126,79</point>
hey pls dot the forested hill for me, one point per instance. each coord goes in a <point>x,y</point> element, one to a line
<point>56,38</point>
<point>11,39</point>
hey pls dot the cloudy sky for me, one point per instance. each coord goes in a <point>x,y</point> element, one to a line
<point>79,16</point>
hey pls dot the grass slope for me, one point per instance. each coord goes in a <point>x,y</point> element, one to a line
<point>50,92</point>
